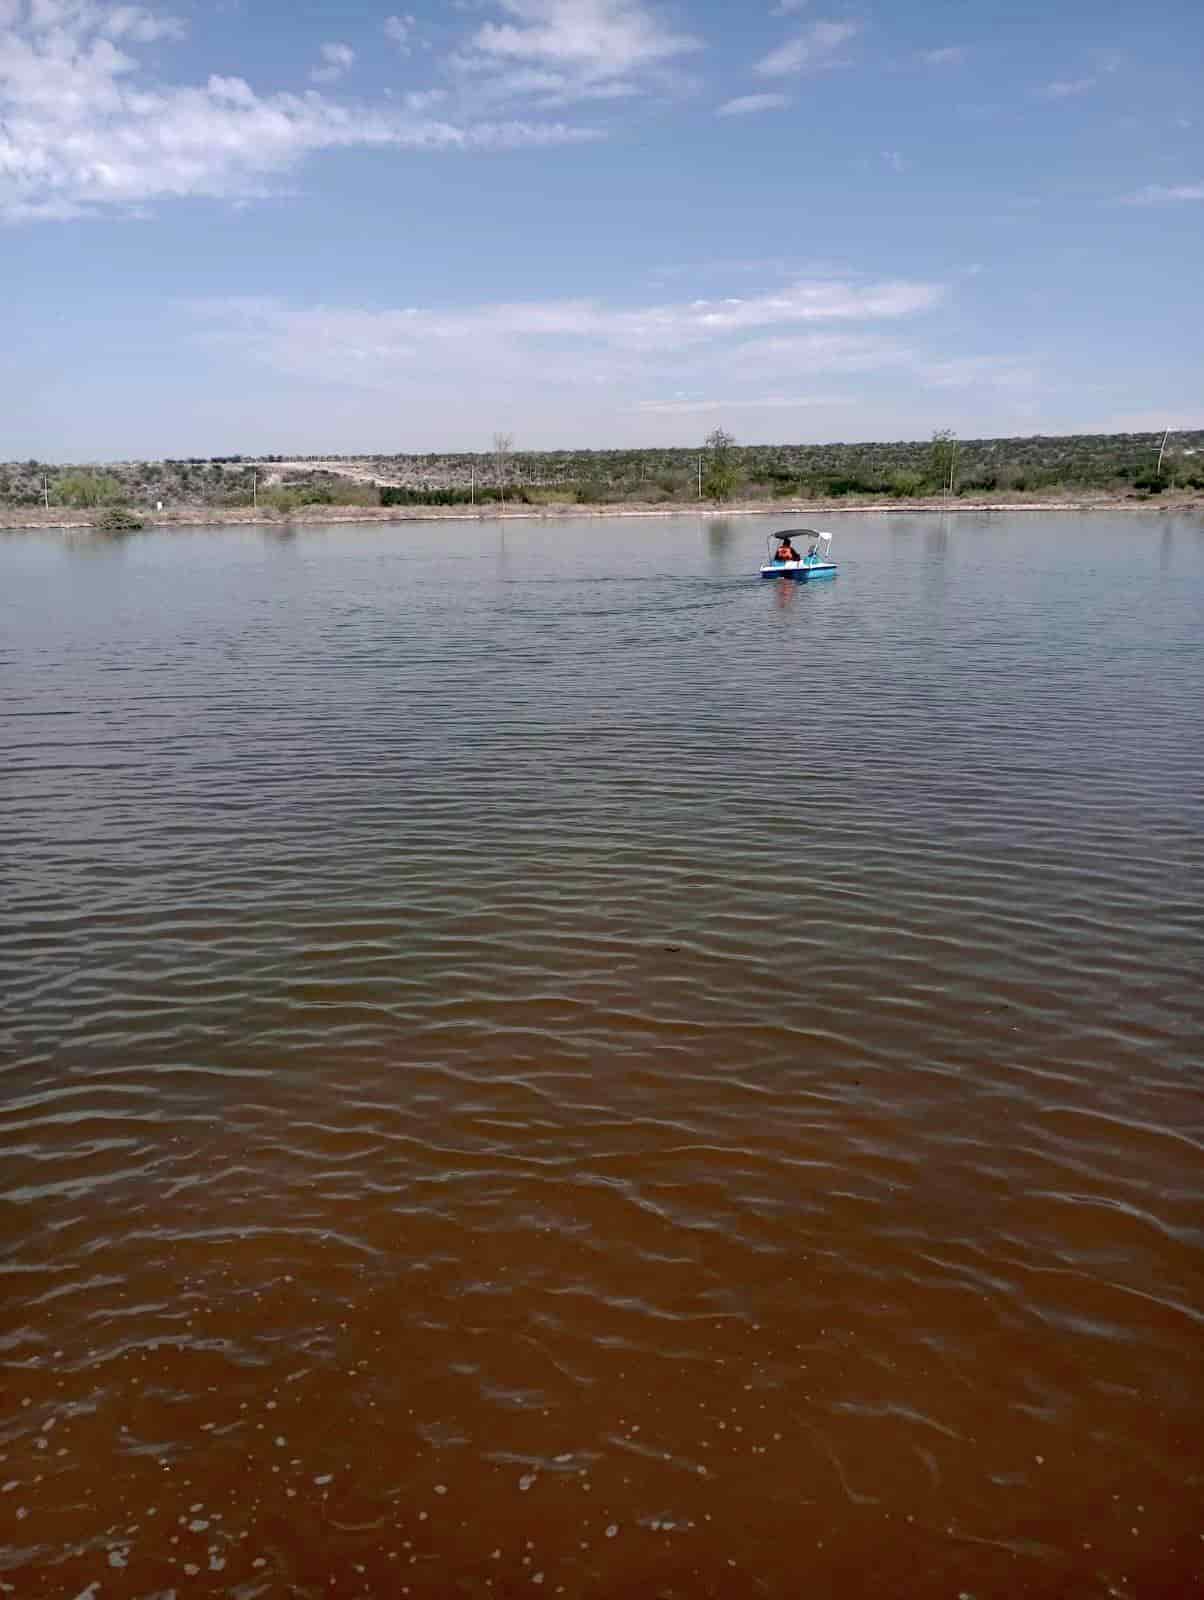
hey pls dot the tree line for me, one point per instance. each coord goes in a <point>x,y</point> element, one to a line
<point>718,470</point>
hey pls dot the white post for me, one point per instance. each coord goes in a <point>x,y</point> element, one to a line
<point>472,491</point>
<point>700,477</point>
<point>1161,448</point>
<point>46,490</point>
<point>255,490</point>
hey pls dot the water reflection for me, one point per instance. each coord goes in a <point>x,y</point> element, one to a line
<point>902,531</point>
<point>936,540</point>
<point>279,535</point>
<point>94,542</point>
<point>785,592</point>
<point>719,534</point>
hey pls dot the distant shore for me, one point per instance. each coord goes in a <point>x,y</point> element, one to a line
<point>33,519</point>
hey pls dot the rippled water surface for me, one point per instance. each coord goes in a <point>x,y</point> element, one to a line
<point>577,1071</point>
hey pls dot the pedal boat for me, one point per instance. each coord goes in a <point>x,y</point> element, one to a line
<point>817,563</point>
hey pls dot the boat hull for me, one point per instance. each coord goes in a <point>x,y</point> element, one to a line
<point>799,571</point>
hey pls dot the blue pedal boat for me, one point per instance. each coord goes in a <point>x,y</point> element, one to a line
<point>816,563</point>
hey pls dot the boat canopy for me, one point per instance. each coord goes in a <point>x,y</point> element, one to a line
<point>818,541</point>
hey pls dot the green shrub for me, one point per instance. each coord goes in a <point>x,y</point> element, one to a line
<point>978,483</point>
<point>396,496</point>
<point>87,489</point>
<point>906,484</point>
<point>118,519</point>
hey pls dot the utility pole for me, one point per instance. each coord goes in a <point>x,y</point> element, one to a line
<point>255,490</point>
<point>46,491</point>
<point>472,483</point>
<point>1161,448</point>
<point>700,477</point>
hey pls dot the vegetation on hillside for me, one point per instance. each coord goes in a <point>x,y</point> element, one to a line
<point>722,476</point>
<point>966,468</point>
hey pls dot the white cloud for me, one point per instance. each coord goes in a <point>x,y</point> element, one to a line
<point>822,300</point>
<point>562,345</point>
<point>830,353</point>
<point>546,90</point>
<point>84,130</point>
<point>399,29</point>
<point>567,50</point>
<point>964,372</point>
<point>816,47</point>
<point>748,104</point>
<point>770,402</point>
<point>136,24</point>
<point>337,59</point>
<point>947,56</point>
<point>420,101</point>
<point>1067,88</point>
<point>603,37</point>
<point>1159,194</point>
<point>582,368</point>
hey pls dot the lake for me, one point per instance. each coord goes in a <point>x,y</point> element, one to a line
<point>534,1062</point>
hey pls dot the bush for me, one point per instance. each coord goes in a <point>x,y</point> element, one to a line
<point>315,489</point>
<point>906,484</point>
<point>87,489</point>
<point>721,482</point>
<point>978,483</point>
<point>592,493</point>
<point>430,497</point>
<point>846,483</point>
<point>118,519</point>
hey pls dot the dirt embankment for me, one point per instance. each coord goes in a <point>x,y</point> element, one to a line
<point>14,518</point>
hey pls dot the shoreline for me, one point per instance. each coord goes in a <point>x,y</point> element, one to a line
<point>29,521</point>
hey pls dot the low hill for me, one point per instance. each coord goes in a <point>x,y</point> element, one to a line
<point>1125,463</point>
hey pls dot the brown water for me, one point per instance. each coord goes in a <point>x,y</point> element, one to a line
<point>585,1073</point>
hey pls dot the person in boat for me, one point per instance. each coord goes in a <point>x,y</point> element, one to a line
<point>785,550</point>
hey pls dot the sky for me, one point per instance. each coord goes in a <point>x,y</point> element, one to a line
<point>277,226</point>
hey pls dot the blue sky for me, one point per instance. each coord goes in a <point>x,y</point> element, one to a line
<point>255,226</point>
